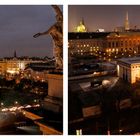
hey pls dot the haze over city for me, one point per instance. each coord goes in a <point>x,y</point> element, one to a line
<point>103,16</point>
<point>18,24</point>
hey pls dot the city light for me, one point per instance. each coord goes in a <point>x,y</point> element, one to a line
<point>15,108</point>
<point>120,130</point>
<point>106,82</point>
<point>16,102</point>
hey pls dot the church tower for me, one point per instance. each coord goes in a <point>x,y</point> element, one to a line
<point>15,54</point>
<point>126,22</point>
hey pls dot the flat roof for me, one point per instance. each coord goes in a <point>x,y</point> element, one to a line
<point>133,60</point>
<point>89,99</point>
<point>87,35</point>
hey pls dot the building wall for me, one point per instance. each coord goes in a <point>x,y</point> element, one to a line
<point>124,44</point>
<point>14,66</point>
<point>129,73</point>
<point>55,84</point>
<point>85,46</point>
<point>124,72</point>
<point>135,71</point>
<point>114,45</point>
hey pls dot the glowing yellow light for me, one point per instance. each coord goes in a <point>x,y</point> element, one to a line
<point>120,130</point>
<point>118,70</point>
<point>16,102</point>
<point>79,132</point>
<point>81,28</point>
<point>11,71</point>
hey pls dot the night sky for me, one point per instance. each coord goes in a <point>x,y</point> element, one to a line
<point>103,16</point>
<point>19,23</point>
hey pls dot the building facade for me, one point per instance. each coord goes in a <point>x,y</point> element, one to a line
<point>86,43</point>
<point>15,66</point>
<point>129,69</point>
<point>105,45</point>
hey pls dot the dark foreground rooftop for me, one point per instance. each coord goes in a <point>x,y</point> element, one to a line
<point>54,120</point>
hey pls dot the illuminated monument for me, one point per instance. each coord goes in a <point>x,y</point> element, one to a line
<point>54,99</point>
<point>81,27</point>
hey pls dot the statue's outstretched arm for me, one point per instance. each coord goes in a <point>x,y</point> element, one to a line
<point>44,33</point>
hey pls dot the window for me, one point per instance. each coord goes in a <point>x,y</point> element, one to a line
<point>126,43</point>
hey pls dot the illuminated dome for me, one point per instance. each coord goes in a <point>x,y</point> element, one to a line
<point>81,27</point>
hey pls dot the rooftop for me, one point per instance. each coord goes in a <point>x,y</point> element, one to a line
<point>97,35</point>
<point>133,60</point>
<point>124,34</point>
<point>51,119</point>
<point>87,35</point>
<point>88,99</point>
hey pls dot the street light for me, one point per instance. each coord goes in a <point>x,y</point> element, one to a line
<point>2,104</point>
<point>120,131</point>
<point>16,102</point>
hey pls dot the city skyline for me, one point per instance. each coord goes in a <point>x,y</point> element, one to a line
<point>18,25</point>
<point>106,17</point>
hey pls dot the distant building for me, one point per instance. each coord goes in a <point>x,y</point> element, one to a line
<point>122,42</point>
<point>100,30</point>
<point>81,27</point>
<point>119,29</point>
<point>38,71</point>
<point>105,45</point>
<point>14,66</point>
<point>129,69</point>
<point>89,43</point>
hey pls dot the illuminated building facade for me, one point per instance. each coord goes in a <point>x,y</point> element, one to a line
<point>129,69</point>
<point>38,71</point>
<point>15,66</point>
<point>123,44</point>
<point>105,45</point>
<point>87,43</point>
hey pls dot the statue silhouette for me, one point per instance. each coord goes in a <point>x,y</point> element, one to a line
<point>56,32</point>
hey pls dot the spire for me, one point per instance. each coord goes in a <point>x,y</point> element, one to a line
<point>15,54</point>
<point>127,15</point>
<point>126,22</point>
<point>83,21</point>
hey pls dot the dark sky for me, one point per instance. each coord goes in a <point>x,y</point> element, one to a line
<point>103,16</point>
<point>19,23</point>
